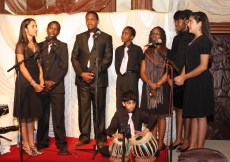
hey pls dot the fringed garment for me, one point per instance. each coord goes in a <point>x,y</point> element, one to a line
<point>155,68</point>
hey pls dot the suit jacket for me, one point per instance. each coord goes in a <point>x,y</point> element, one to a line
<point>81,55</point>
<point>139,117</point>
<point>55,64</point>
<point>135,54</point>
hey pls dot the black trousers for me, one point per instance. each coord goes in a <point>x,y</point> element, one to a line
<point>86,95</point>
<point>57,102</point>
<point>126,82</point>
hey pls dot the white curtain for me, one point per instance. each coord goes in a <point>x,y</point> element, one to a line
<point>111,23</point>
<point>215,7</point>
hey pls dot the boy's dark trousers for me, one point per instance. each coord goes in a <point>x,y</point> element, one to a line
<point>125,82</point>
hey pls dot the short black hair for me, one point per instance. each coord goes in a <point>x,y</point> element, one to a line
<point>93,12</point>
<point>133,31</point>
<point>59,26</point>
<point>182,14</point>
<point>129,95</point>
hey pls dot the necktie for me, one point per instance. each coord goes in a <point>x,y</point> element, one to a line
<point>130,122</point>
<point>49,48</point>
<point>90,44</point>
<point>91,41</point>
<point>124,62</point>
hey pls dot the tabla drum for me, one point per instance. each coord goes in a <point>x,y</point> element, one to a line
<point>115,149</point>
<point>144,147</point>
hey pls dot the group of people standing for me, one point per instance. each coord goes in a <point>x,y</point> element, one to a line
<point>42,82</point>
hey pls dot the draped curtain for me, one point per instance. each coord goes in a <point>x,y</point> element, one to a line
<point>37,7</point>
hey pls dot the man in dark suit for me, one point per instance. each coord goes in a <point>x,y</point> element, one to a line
<point>55,66</point>
<point>87,47</point>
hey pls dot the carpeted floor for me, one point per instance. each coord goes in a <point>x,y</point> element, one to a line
<point>50,154</point>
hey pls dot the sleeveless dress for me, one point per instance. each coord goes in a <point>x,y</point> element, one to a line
<point>30,103</point>
<point>199,93</point>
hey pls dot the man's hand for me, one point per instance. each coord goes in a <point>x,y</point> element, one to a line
<point>87,76</point>
<point>49,84</point>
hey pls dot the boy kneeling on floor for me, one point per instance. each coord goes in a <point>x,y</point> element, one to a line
<point>135,117</point>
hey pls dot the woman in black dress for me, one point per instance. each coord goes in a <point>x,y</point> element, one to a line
<point>179,47</point>
<point>31,82</point>
<point>156,90</point>
<point>198,96</point>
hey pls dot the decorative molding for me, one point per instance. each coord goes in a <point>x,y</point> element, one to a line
<point>219,123</point>
<point>220,28</point>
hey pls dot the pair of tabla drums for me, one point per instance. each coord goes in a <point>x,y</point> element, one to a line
<point>142,149</point>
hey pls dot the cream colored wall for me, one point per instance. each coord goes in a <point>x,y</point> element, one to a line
<point>212,18</point>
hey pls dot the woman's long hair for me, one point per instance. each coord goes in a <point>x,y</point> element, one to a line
<point>202,17</point>
<point>22,33</point>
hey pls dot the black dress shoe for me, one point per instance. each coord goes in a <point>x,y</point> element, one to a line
<point>40,147</point>
<point>64,151</point>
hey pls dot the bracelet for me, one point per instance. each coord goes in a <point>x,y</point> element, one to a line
<point>32,83</point>
<point>148,82</point>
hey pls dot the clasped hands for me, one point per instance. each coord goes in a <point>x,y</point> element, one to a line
<point>49,84</point>
<point>154,87</point>
<point>179,80</point>
<point>87,76</point>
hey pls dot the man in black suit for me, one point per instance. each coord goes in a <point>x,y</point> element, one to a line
<point>87,47</point>
<point>55,66</point>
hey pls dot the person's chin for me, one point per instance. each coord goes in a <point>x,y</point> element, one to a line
<point>130,111</point>
<point>91,27</point>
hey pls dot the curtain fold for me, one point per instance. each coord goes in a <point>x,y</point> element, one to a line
<point>56,7</point>
<point>216,7</point>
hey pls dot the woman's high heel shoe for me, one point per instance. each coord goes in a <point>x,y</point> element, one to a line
<point>28,151</point>
<point>182,150</point>
<point>174,147</point>
<point>35,150</point>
